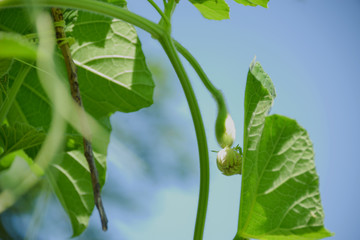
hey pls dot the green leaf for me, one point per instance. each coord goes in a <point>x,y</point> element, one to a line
<point>36,112</point>
<point>19,136</point>
<point>253,3</point>
<point>70,178</point>
<point>212,9</point>
<point>6,162</point>
<point>5,65</point>
<point>120,3</point>
<point>280,197</point>
<point>16,20</point>
<point>13,45</point>
<point>112,71</point>
<point>18,139</point>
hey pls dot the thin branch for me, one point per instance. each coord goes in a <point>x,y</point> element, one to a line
<point>159,11</point>
<point>75,93</point>
<point>216,93</point>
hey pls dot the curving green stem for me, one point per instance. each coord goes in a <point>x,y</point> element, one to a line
<point>93,6</point>
<point>162,34</point>
<point>223,115</point>
<point>169,47</point>
<point>216,93</point>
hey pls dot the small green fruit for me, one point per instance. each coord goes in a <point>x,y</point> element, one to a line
<point>229,161</point>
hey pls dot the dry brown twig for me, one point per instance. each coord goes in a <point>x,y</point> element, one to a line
<point>75,93</point>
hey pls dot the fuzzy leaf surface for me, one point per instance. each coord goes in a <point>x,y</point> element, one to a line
<point>212,9</point>
<point>280,196</point>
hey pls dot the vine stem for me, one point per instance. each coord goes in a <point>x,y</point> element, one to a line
<point>169,47</point>
<point>216,93</point>
<point>94,6</point>
<point>162,34</point>
<point>75,93</point>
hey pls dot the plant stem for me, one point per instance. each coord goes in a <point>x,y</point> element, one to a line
<point>157,8</point>
<point>222,115</point>
<point>93,6</point>
<point>10,98</point>
<point>168,45</point>
<point>163,35</point>
<point>216,93</point>
<point>75,93</point>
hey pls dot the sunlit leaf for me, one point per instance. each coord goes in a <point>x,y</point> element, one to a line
<point>120,3</point>
<point>212,9</point>
<point>280,196</point>
<point>112,71</point>
<point>253,3</point>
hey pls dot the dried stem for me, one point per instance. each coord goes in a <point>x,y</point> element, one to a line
<point>75,93</point>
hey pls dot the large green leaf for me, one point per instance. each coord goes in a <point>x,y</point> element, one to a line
<point>253,3</point>
<point>112,70</point>
<point>212,9</point>
<point>112,75</point>
<point>70,177</point>
<point>280,196</point>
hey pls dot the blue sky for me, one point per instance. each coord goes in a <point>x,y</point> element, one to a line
<point>311,51</point>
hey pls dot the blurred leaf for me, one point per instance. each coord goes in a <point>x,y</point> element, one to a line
<point>5,65</point>
<point>253,3</point>
<point>280,196</point>
<point>120,3</point>
<point>7,161</point>
<point>14,45</point>
<point>4,235</point>
<point>70,178</point>
<point>212,9</point>
<point>16,20</point>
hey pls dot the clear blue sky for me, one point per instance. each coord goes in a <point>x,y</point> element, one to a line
<point>311,51</point>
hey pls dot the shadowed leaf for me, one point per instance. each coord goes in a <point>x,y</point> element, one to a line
<point>70,178</point>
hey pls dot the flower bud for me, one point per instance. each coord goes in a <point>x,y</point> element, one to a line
<point>229,161</point>
<point>225,130</point>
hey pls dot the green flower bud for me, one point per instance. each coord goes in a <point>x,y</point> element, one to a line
<point>225,130</point>
<point>229,161</point>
